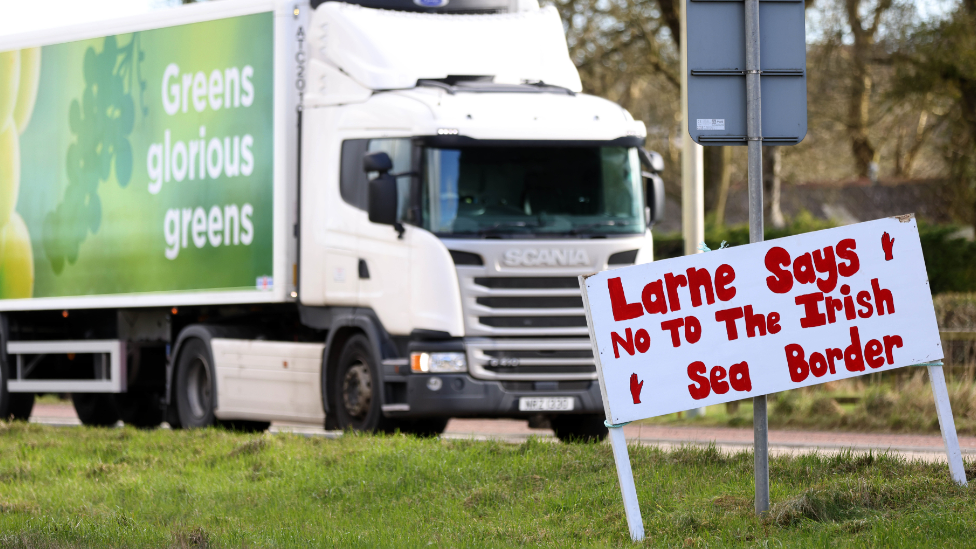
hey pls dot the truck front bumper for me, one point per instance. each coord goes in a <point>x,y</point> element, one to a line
<point>460,395</point>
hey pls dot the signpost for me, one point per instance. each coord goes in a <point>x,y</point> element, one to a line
<point>729,71</point>
<point>758,319</point>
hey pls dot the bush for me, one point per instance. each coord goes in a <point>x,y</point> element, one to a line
<point>672,245</point>
<point>878,402</point>
<point>825,406</point>
<point>949,260</point>
<point>786,403</point>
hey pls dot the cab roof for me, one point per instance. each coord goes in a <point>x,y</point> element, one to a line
<point>389,50</point>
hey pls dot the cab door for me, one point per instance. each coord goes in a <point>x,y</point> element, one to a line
<point>383,267</point>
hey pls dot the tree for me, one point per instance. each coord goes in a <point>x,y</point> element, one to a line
<point>773,186</point>
<point>628,52</point>
<point>939,65</point>
<point>718,176</point>
<point>861,81</point>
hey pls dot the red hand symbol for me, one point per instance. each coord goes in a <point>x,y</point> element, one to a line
<point>635,388</point>
<point>886,243</point>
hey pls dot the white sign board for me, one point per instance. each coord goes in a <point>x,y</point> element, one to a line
<point>762,318</point>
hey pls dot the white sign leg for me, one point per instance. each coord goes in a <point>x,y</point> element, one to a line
<point>627,488</point>
<point>941,393</point>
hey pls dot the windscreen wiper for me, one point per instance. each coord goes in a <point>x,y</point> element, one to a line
<point>605,223</point>
<point>493,229</point>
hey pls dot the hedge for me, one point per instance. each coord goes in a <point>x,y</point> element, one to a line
<point>950,262</point>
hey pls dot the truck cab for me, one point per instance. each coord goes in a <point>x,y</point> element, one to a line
<point>455,182</point>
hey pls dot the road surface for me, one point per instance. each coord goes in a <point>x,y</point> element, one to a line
<point>925,447</point>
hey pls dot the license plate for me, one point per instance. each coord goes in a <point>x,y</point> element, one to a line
<point>545,404</point>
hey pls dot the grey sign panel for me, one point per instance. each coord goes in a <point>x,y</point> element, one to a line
<point>717,68</point>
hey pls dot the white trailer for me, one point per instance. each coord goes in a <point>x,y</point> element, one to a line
<point>263,210</point>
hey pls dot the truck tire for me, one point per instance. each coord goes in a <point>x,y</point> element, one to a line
<point>195,387</point>
<point>579,428</point>
<point>95,409</point>
<point>141,409</point>
<point>356,389</point>
<point>244,426</point>
<point>424,428</point>
<point>20,406</point>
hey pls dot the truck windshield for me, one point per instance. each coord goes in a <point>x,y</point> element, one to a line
<point>520,191</point>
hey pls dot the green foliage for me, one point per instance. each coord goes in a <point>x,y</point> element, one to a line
<point>83,487</point>
<point>786,403</point>
<point>937,66</point>
<point>898,401</point>
<point>956,311</point>
<point>949,260</point>
<point>672,245</point>
<point>101,122</point>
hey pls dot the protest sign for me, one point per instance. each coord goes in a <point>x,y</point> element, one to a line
<point>759,319</point>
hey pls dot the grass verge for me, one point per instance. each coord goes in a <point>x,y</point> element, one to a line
<point>69,487</point>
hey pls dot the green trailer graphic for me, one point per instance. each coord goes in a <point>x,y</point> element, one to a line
<point>139,163</point>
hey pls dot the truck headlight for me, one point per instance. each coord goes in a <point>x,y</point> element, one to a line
<point>421,363</point>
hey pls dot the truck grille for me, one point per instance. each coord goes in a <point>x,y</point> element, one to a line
<point>536,359</point>
<point>528,282</point>
<point>522,306</point>
<point>555,302</point>
<point>523,319</point>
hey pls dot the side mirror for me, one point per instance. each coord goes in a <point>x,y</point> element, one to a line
<point>654,194</point>
<point>377,161</point>
<point>382,195</point>
<point>651,160</point>
<point>383,199</point>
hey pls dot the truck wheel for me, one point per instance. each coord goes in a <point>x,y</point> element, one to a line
<point>356,390</point>
<point>244,426</point>
<point>95,409</point>
<point>424,428</point>
<point>20,407</point>
<point>140,409</point>
<point>195,385</point>
<point>579,428</point>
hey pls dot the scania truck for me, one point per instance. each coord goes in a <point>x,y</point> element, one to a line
<point>366,215</point>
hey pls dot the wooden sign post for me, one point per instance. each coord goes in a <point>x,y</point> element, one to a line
<point>759,319</point>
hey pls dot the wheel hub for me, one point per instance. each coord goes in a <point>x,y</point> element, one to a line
<point>357,390</point>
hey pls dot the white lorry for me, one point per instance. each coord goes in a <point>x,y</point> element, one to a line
<point>369,214</point>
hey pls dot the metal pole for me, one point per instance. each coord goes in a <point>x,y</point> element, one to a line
<point>754,127</point>
<point>692,161</point>
<point>692,170</point>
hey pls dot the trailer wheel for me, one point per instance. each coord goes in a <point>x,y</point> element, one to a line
<point>17,406</point>
<point>195,386</point>
<point>141,409</point>
<point>21,406</point>
<point>356,390</point>
<point>95,409</point>
<point>579,428</point>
